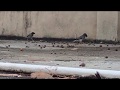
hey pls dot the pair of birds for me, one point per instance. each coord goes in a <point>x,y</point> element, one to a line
<point>80,39</point>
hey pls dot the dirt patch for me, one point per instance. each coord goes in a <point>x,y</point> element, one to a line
<point>41,75</point>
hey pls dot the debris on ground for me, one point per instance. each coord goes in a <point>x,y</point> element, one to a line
<point>82,64</point>
<point>41,75</point>
<point>106,56</point>
<point>44,46</point>
<point>27,46</point>
<point>100,46</point>
<point>108,48</point>
<point>62,46</point>
<point>98,75</point>
<point>93,56</point>
<point>21,49</point>
<point>116,49</point>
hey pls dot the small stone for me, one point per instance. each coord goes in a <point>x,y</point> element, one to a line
<point>82,64</point>
<point>27,46</point>
<point>108,48</point>
<point>100,46</point>
<point>6,46</point>
<point>21,49</point>
<point>62,46</point>
<point>57,46</point>
<point>106,56</point>
<point>44,46</point>
<point>116,49</point>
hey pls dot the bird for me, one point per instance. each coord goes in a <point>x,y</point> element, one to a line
<point>30,36</point>
<point>81,38</point>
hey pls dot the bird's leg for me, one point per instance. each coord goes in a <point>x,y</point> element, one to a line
<point>27,39</point>
<point>80,41</point>
<point>32,40</point>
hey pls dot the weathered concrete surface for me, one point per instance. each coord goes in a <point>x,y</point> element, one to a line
<point>61,24</point>
<point>93,56</point>
<point>56,24</point>
<point>118,32</point>
<point>107,25</point>
<point>12,23</point>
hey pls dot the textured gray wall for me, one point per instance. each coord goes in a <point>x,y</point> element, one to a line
<point>107,25</point>
<point>118,32</point>
<point>61,24</point>
<point>11,23</point>
<point>48,24</point>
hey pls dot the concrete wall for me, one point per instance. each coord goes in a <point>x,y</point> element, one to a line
<point>61,24</point>
<point>49,24</point>
<point>11,23</point>
<point>107,25</point>
<point>118,32</point>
